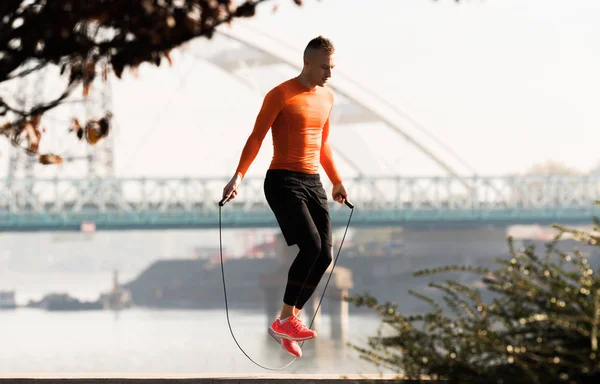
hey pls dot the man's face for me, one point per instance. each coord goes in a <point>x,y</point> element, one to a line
<point>320,64</point>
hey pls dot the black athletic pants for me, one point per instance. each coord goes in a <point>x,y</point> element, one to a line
<point>299,203</point>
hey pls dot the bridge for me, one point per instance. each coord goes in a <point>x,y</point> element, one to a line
<point>101,200</point>
<point>412,202</point>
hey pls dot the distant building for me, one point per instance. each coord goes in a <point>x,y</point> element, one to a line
<point>7,300</point>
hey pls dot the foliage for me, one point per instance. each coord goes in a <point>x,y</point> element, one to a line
<point>88,40</point>
<point>537,321</point>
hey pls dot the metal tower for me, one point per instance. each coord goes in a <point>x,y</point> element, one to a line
<point>99,159</point>
<point>29,91</point>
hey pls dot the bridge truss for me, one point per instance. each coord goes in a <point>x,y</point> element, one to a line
<point>64,204</point>
<point>118,204</point>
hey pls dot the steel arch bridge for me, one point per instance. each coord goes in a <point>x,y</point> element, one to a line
<point>245,52</point>
<point>59,204</point>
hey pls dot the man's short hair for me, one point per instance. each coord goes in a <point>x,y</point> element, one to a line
<point>319,42</point>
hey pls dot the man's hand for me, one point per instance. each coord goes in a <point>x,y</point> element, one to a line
<point>230,190</point>
<point>339,193</point>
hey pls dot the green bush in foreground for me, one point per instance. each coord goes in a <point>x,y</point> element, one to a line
<point>538,322</point>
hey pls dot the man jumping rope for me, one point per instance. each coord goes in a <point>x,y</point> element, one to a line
<point>298,111</point>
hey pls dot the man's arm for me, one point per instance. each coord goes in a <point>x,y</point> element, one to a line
<point>327,157</point>
<point>264,120</point>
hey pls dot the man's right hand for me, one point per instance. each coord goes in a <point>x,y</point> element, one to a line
<point>230,190</point>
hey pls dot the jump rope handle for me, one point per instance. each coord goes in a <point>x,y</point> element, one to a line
<point>224,200</point>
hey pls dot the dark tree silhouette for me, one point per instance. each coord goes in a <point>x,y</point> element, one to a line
<point>87,40</point>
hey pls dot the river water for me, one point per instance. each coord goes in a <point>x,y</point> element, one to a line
<point>149,341</point>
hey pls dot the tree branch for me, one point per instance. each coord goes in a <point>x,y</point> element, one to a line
<point>86,38</point>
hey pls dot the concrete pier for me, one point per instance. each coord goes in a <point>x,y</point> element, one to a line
<point>472,246</point>
<point>455,241</point>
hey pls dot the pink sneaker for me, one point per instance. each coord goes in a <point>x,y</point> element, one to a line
<point>291,347</point>
<point>291,329</point>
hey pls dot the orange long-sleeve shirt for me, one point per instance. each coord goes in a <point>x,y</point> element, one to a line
<point>299,119</point>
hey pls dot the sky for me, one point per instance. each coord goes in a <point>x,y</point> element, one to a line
<point>504,84</point>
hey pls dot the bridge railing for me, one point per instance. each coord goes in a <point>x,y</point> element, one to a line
<point>60,196</point>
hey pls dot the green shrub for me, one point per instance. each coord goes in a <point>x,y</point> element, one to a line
<point>538,322</point>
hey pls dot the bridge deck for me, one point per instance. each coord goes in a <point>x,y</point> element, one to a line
<point>121,204</point>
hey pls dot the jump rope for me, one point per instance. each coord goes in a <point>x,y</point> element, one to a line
<point>221,204</point>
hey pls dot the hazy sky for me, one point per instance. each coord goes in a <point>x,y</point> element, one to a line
<point>505,84</point>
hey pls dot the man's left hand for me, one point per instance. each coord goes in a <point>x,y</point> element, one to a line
<point>339,193</point>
